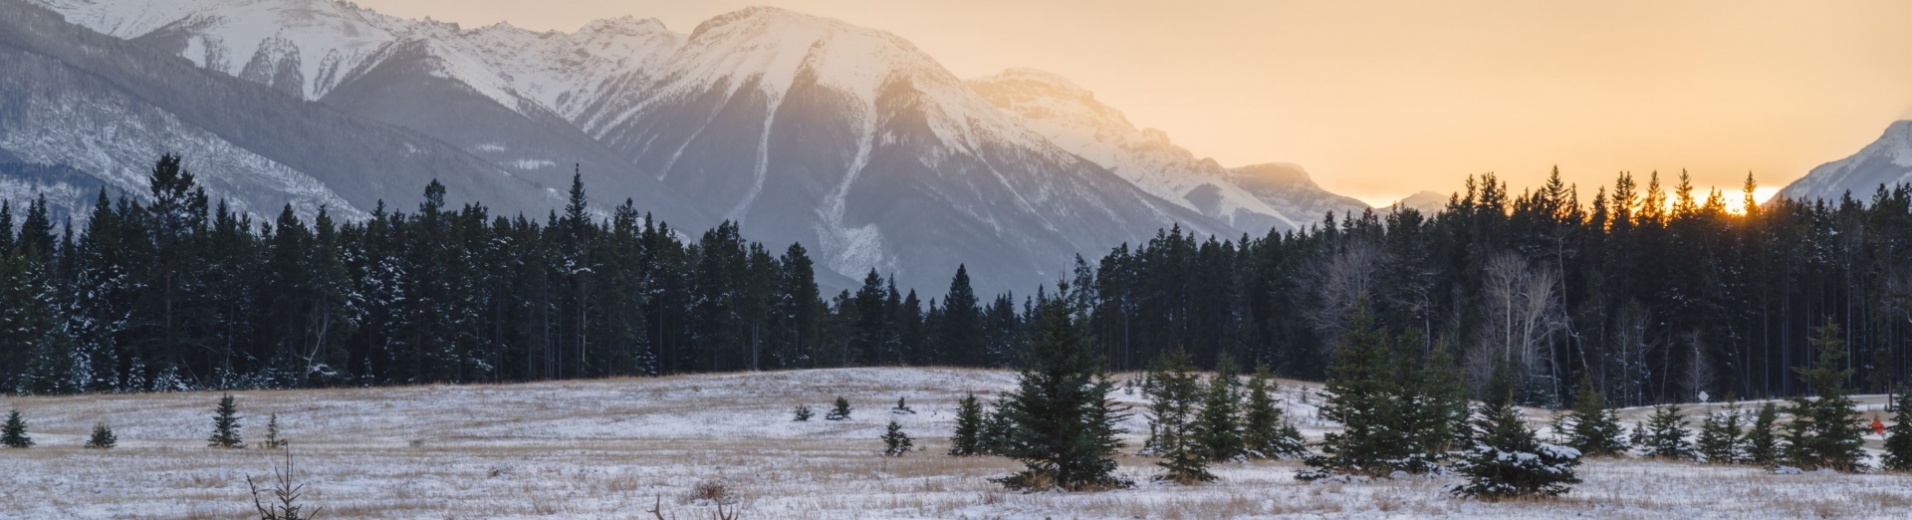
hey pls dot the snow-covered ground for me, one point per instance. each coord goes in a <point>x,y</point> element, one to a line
<point>611,449</point>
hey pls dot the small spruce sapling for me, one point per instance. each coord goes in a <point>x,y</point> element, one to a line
<point>803,413</point>
<point>1719,441</point>
<point>1266,433</point>
<point>1218,425</point>
<point>1507,459</point>
<point>1761,446</point>
<point>1666,434</point>
<point>1825,430</point>
<point>1898,438</point>
<point>895,442</point>
<point>1172,401</point>
<point>840,412</point>
<point>14,434</point>
<point>968,439</point>
<point>272,433</point>
<point>1596,429</point>
<point>102,438</point>
<point>225,425</point>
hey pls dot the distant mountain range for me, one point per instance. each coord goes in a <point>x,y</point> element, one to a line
<point>804,129</point>
<point>1886,162</point>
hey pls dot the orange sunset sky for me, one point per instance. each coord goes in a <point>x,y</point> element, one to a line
<point>1382,99</point>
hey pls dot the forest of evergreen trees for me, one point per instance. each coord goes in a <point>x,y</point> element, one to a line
<point>1652,294</point>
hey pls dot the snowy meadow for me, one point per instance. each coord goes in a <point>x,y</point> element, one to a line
<point>688,445</point>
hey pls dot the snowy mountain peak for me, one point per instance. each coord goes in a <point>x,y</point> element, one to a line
<point>626,25</point>
<point>773,46</point>
<point>1886,161</point>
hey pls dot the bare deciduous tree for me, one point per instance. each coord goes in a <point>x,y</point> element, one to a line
<point>1521,304</point>
<point>1339,280</point>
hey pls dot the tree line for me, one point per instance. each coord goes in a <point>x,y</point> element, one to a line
<point>1651,295</point>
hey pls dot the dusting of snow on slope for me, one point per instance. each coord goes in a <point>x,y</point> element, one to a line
<point>119,142</point>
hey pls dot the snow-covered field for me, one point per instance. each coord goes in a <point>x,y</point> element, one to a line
<point>611,449</point>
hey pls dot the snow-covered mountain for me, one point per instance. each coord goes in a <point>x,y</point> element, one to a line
<point>108,108</point>
<point>1073,119</point>
<point>805,129</point>
<point>852,140</point>
<point>1427,202</point>
<point>1886,162</point>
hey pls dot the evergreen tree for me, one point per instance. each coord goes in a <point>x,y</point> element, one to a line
<point>895,442</point>
<point>1363,395</point>
<point>1174,390</point>
<point>225,425</point>
<point>997,430</point>
<point>1062,425</point>
<point>802,413</point>
<point>1265,433</point>
<point>1508,460</point>
<point>272,433</point>
<point>1825,432</point>
<point>1898,440</point>
<point>1596,429</point>
<point>839,412</point>
<point>102,438</point>
<point>1761,445</point>
<point>1719,440</point>
<point>968,438</point>
<point>1218,425</point>
<point>1666,434</point>
<point>14,434</point>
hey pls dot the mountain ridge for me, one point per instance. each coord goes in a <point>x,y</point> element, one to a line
<point>805,129</point>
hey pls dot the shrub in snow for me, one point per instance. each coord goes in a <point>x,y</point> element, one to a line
<point>902,408</point>
<point>1898,440</point>
<point>895,442</point>
<point>1595,429</point>
<point>1665,437</point>
<point>1507,460</point>
<point>14,434</point>
<point>1266,434</point>
<point>102,438</point>
<point>803,413</point>
<point>1062,426</point>
<point>839,412</point>
<point>1825,432</point>
<point>968,439</point>
<point>225,425</point>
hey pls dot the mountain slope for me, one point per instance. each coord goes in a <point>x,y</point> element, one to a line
<point>110,107</point>
<point>498,93</point>
<point>1071,117</point>
<point>1887,162</point>
<point>848,140</point>
<point>809,129</point>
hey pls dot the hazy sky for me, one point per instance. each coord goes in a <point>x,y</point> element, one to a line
<point>1382,99</point>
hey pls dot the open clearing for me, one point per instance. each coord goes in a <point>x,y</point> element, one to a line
<point>612,448</point>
